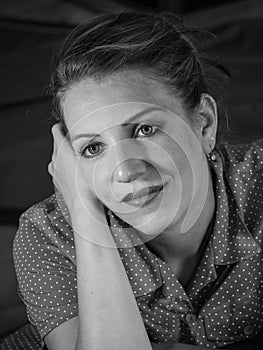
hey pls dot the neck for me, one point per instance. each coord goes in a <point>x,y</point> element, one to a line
<point>179,249</point>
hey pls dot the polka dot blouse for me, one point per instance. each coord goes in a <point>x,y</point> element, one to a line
<point>222,304</point>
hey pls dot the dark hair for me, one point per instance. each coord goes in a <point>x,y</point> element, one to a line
<point>157,44</point>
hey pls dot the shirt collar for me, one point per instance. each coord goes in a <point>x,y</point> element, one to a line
<point>231,239</point>
<point>142,266</point>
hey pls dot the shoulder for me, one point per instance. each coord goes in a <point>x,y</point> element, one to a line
<point>43,225</point>
<point>242,158</point>
<point>243,175</point>
<point>45,265</point>
<point>51,209</point>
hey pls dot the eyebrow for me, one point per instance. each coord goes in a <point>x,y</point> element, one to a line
<point>134,117</point>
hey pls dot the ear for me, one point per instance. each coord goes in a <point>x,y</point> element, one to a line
<point>207,113</point>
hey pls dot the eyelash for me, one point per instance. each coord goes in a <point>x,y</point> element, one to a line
<point>81,152</point>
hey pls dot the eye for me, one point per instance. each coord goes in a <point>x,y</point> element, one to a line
<point>146,130</point>
<point>91,151</point>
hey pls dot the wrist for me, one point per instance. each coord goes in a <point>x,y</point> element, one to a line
<point>91,224</point>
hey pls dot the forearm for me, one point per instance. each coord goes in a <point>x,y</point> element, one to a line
<point>108,314</point>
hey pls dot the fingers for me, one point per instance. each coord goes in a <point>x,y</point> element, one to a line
<point>50,169</point>
<point>61,145</point>
<point>57,131</point>
<point>57,138</point>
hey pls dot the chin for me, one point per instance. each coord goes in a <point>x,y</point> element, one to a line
<point>148,226</point>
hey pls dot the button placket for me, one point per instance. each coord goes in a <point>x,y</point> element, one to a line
<point>171,301</point>
<point>191,321</point>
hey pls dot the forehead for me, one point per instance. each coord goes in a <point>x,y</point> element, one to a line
<point>99,105</point>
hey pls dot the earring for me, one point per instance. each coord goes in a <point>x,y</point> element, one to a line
<point>211,155</point>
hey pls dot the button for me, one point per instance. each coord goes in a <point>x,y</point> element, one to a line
<point>170,302</point>
<point>169,307</point>
<point>248,330</point>
<point>190,318</point>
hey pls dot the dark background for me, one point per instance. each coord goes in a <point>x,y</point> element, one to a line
<point>31,31</point>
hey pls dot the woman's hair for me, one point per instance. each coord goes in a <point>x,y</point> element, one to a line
<point>155,44</point>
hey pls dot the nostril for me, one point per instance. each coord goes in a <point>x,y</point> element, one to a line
<point>130,170</point>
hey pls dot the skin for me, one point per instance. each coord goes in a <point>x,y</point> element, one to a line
<point>83,114</point>
<point>123,159</point>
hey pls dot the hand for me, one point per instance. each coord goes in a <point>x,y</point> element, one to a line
<point>63,166</point>
<point>66,173</point>
<point>176,346</point>
<point>85,209</point>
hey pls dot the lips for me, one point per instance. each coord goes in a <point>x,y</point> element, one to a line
<point>142,193</point>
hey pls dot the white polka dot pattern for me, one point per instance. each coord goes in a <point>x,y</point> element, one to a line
<point>223,302</point>
<point>25,338</point>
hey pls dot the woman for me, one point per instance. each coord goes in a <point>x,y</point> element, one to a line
<point>152,239</point>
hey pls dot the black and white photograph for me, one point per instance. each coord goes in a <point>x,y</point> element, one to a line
<point>131,183</point>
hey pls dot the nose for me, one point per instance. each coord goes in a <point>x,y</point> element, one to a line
<point>130,170</point>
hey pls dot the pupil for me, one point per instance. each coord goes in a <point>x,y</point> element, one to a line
<point>93,149</point>
<point>146,129</point>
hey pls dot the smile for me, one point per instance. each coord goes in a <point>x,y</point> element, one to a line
<point>143,197</point>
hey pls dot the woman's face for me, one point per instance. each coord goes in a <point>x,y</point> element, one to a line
<point>137,149</point>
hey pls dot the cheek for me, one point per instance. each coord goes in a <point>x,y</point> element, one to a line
<point>172,160</point>
<point>99,181</point>
<point>93,177</point>
<point>185,169</point>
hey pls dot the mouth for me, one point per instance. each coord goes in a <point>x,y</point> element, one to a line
<point>143,197</point>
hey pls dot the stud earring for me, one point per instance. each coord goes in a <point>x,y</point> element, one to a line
<point>211,155</point>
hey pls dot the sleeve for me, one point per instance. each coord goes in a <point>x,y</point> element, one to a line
<point>46,272</point>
